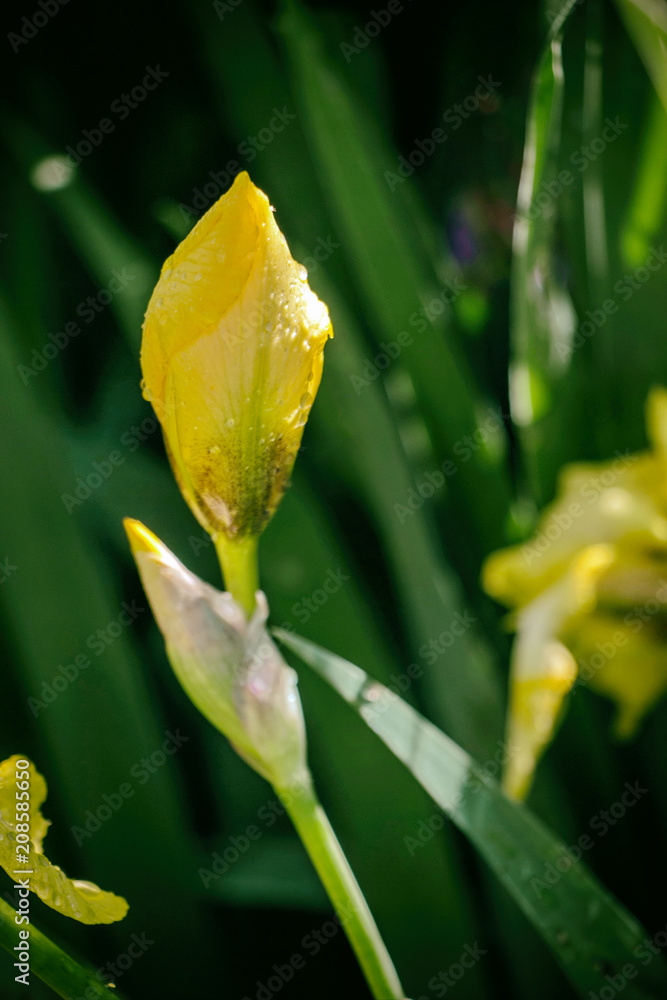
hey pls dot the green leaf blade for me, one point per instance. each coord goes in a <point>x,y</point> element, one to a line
<point>590,934</point>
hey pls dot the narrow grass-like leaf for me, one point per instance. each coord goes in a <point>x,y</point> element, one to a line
<point>459,684</point>
<point>646,22</point>
<point>646,211</point>
<point>595,227</point>
<point>542,316</point>
<point>107,252</point>
<point>590,934</point>
<point>50,963</point>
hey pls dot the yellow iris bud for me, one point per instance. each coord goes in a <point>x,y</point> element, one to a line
<point>231,360</point>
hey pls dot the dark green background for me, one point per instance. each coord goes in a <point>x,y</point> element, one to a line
<point>363,451</point>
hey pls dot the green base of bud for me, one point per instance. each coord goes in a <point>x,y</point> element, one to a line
<point>238,561</point>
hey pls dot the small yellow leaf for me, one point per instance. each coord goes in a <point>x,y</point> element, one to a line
<point>80,900</point>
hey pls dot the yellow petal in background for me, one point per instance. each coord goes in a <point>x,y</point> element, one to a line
<point>534,707</point>
<point>232,360</point>
<point>543,670</point>
<point>80,900</point>
<point>601,502</point>
<point>625,659</point>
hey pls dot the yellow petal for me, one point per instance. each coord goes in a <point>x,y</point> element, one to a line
<point>602,502</point>
<point>542,669</point>
<point>625,659</point>
<point>80,900</point>
<point>37,792</point>
<point>232,360</point>
<point>656,419</point>
<point>535,704</point>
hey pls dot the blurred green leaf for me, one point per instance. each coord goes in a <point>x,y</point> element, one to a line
<point>459,682</point>
<point>646,21</point>
<point>394,278</point>
<point>646,211</point>
<point>542,314</point>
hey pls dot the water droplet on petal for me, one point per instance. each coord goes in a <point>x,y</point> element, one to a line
<point>306,400</point>
<point>230,422</point>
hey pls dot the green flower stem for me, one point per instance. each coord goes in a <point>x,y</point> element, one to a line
<point>49,963</point>
<point>338,879</point>
<point>238,561</point>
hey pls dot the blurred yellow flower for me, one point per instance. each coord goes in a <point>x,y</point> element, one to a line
<point>589,593</point>
<point>232,359</point>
